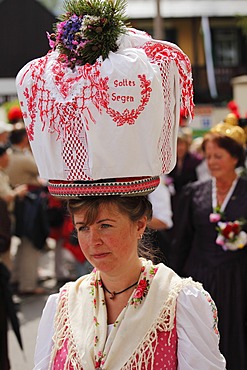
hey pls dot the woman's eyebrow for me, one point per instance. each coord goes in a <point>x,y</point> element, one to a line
<point>106,219</point>
<point>80,223</point>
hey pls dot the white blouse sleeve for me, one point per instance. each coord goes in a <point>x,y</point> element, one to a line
<point>198,337</point>
<point>45,333</point>
<point>161,202</point>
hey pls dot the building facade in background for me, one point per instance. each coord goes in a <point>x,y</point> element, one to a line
<point>210,33</point>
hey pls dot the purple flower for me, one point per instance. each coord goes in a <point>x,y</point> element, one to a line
<point>67,30</point>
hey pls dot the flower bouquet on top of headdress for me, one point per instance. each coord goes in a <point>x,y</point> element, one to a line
<point>102,108</point>
<point>88,30</point>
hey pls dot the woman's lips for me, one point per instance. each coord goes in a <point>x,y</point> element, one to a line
<point>100,255</point>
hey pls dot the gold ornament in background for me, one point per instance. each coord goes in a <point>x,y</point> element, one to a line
<point>230,130</point>
<point>231,119</point>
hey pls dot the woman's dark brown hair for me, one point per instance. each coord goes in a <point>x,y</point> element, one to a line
<point>235,149</point>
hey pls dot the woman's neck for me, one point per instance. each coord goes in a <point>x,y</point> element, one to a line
<point>222,184</point>
<point>122,279</point>
<point>125,283</point>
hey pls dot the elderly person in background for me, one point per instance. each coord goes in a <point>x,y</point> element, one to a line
<point>210,238</point>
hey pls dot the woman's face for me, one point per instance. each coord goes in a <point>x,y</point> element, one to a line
<point>220,162</point>
<point>110,243</point>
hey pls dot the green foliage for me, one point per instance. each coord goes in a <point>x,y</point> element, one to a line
<point>102,8</point>
<point>103,21</point>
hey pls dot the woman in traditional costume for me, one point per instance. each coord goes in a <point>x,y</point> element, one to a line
<point>102,113</point>
<point>210,243</point>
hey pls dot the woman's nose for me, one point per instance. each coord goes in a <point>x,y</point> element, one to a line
<point>209,160</point>
<point>94,237</point>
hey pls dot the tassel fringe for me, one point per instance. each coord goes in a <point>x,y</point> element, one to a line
<point>63,336</point>
<point>144,355</point>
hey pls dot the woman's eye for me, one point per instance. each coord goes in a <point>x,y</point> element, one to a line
<point>105,226</point>
<point>82,228</point>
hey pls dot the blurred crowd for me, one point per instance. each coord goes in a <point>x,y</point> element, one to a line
<point>34,215</point>
<point>29,219</point>
<point>180,230</point>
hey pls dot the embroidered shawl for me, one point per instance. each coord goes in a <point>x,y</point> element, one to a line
<point>81,320</point>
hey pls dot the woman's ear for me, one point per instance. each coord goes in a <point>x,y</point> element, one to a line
<point>141,225</point>
<point>237,162</point>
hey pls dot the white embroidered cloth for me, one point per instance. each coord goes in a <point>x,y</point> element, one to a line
<point>116,118</point>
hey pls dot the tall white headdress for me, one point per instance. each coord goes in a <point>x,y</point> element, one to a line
<point>102,107</point>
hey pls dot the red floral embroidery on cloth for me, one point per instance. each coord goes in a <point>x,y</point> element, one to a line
<point>157,51</point>
<point>66,113</point>
<point>130,116</point>
<point>63,84</point>
<point>63,118</point>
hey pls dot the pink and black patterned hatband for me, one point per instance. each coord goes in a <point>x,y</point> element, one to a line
<point>121,186</point>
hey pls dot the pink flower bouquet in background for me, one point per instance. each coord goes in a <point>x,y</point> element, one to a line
<point>230,235</point>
